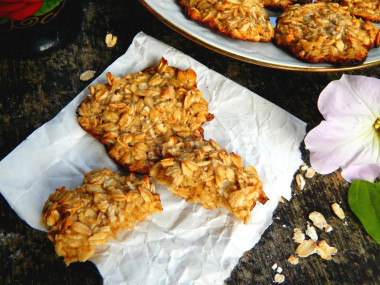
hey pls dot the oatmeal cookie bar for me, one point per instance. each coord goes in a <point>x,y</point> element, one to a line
<point>135,114</point>
<point>202,172</point>
<point>79,220</point>
<point>240,19</point>
<point>325,32</point>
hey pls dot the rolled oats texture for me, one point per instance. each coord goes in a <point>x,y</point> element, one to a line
<point>61,147</point>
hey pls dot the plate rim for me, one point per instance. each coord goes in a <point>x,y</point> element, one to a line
<point>224,52</point>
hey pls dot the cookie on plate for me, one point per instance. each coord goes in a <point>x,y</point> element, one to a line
<point>325,32</point>
<point>281,4</point>
<point>135,114</point>
<point>203,172</point>
<point>240,19</point>
<point>366,9</point>
<point>105,204</point>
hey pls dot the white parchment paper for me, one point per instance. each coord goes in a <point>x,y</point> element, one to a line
<point>185,244</point>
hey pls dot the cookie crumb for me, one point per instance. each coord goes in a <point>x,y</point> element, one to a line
<point>328,228</point>
<point>298,235</point>
<point>293,260</point>
<point>279,278</point>
<point>318,220</point>
<point>311,232</point>
<point>306,248</point>
<point>325,251</point>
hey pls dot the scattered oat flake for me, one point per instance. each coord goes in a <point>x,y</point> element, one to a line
<point>293,260</point>
<point>87,75</point>
<point>298,235</point>
<point>345,223</point>
<point>110,40</point>
<point>279,278</point>
<point>279,269</point>
<point>304,166</point>
<point>274,266</point>
<point>306,248</point>
<point>309,172</point>
<point>338,210</point>
<point>325,251</point>
<point>282,200</point>
<point>300,181</point>
<point>328,228</point>
<point>311,232</point>
<point>318,219</point>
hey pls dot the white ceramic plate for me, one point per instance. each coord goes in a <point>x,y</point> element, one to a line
<point>265,54</point>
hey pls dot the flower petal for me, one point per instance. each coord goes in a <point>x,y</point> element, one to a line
<point>368,172</point>
<point>347,137</point>
<point>334,144</point>
<point>352,95</point>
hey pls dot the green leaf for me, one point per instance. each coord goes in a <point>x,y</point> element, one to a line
<point>4,20</point>
<point>47,6</point>
<point>364,201</point>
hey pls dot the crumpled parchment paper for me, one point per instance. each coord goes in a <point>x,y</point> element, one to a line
<point>185,244</point>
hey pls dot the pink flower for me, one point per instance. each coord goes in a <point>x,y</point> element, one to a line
<point>349,137</point>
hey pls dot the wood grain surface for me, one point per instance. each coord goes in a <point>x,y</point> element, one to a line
<point>33,91</point>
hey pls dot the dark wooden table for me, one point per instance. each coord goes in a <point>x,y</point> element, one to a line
<point>33,91</point>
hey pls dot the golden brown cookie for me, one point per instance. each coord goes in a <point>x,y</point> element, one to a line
<point>282,3</point>
<point>327,1</point>
<point>240,19</point>
<point>325,32</point>
<point>203,172</point>
<point>78,220</point>
<point>135,114</point>
<point>366,9</point>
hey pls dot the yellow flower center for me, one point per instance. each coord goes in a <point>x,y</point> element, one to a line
<point>376,125</point>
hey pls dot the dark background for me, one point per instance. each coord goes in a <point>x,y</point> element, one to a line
<point>33,91</point>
